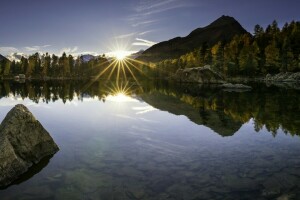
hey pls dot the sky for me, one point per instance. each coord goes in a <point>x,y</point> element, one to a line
<point>97,26</point>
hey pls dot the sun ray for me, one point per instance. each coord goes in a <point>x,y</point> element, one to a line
<point>135,67</point>
<point>132,75</point>
<point>121,67</point>
<point>97,77</point>
<point>118,72</point>
<point>138,61</point>
<point>113,69</point>
<point>106,68</point>
<point>124,72</point>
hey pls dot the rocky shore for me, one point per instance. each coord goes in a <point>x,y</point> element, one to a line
<point>284,77</point>
<point>199,75</point>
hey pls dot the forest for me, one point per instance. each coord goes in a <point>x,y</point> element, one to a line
<point>268,51</point>
<point>51,66</point>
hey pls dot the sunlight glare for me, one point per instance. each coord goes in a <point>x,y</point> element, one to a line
<point>121,55</point>
<point>120,98</point>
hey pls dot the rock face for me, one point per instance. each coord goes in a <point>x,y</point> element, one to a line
<point>199,75</point>
<point>23,142</point>
<point>284,77</point>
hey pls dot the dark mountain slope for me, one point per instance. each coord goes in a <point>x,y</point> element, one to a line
<point>2,58</point>
<point>223,29</point>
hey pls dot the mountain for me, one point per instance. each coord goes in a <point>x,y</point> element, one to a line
<point>87,57</point>
<point>16,56</point>
<point>137,54</point>
<point>2,58</point>
<point>223,29</point>
<point>175,103</point>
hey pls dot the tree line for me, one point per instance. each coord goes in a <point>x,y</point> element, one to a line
<point>48,66</point>
<point>267,51</point>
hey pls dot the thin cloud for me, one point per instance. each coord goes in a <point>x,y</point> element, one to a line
<point>146,32</point>
<point>7,50</point>
<point>125,35</point>
<point>143,42</point>
<point>144,23</point>
<point>151,12</point>
<point>36,48</point>
<point>146,8</point>
<point>148,5</point>
<point>85,53</point>
<point>146,12</point>
<point>69,50</point>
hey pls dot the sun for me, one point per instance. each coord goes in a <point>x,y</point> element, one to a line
<point>121,55</point>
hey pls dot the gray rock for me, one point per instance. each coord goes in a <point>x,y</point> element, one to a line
<point>283,77</point>
<point>23,142</point>
<point>199,75</point>
<point>235,86</point>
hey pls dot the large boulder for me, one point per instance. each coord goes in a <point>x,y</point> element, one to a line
<point>199,75</point>
<point>23,142</point>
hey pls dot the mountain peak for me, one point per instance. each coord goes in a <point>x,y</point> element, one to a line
<point>223,20</point>
<point>227,22</point>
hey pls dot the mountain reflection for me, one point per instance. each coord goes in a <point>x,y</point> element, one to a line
<point>224,112</point>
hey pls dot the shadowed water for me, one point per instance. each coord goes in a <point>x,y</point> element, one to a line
<point>161,141</point>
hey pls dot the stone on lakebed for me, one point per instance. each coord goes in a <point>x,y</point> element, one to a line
<point>23,143</point>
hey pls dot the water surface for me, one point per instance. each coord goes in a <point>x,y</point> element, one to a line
<point>160,141</point>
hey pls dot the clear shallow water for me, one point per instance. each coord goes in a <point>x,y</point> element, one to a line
<point>162,141</point>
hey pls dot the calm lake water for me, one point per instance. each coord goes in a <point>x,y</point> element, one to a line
<point>160,141</point>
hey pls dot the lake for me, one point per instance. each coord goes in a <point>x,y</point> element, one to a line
<point>160,140</point>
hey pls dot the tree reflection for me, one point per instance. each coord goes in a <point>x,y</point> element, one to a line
<point>224,112</point>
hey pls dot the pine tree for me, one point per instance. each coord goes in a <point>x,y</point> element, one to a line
<point>217,52</point>
<point>272,54</point>
<point>47,64</point>
<point>231,53</point>
<point>258,30</point>
<point>248,59</point>
<point>287,56</point>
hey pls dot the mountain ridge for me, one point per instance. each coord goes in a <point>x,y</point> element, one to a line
<point>223,29</point>
<point>2,57</point>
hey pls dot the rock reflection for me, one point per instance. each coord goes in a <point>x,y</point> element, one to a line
<point>35,169</point>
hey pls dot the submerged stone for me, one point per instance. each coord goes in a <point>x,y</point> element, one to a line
<point>23,142</point>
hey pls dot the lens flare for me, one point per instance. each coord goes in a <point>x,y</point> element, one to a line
<point>121,55</point>
<point>120,66</point>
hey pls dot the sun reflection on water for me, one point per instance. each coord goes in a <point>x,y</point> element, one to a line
<point>120,98</point>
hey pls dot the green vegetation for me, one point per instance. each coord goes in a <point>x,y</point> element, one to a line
<point>47,66</point>
<point>267,51</point>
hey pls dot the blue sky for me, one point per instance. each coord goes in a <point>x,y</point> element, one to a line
<point>97,26</point>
